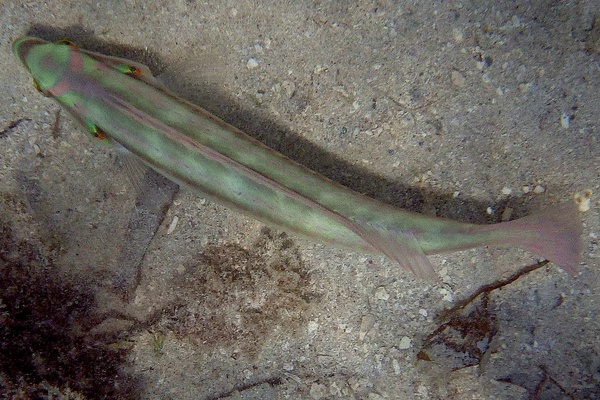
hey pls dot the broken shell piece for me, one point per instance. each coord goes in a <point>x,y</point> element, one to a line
<point>583,200</point>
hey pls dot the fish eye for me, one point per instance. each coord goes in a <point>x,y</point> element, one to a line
<point>135,71</point>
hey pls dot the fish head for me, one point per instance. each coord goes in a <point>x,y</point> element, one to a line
<point>45,61</point>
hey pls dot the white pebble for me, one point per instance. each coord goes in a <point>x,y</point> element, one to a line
<point>405,343</point>
<point>319,69</point>
<point>565,120</point>
<point>506,190</point>
<point>396,366</point>
<point>252,63</point>
<point>447,294</point>
<point>313,326</point>
<point>288,367</point>
<point>539,189</point>
<point>381,293</point>
<point>173,225</point>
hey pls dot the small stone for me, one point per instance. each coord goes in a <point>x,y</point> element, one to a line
<point>506,191</point>
<point>110,326</point>
<point>381,293</point>
<point>252,63</point>
<point>458,35</point>
<point>423,312</point>
<point>319,69</point>
<point>173,225</point>
<point>565,120</point>
<point>583,200</point>
<point>355,383</point>
<point>366,324</point>
<point>444,271</point>
<point>288,367</point>
<point>289,88</point>
<point>526,189</point>
<point>396,366</point>
<point>423,392</point>
<point>318,391</point>
<point>405,343</point>
<point>506,214</point>
<point>457,78</point>
<point>515,21</point>
<point>525,87</point>
<point>447,295</point>
<point>539,189</point>
<point>334,390</point>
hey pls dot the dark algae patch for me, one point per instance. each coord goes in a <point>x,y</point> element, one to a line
<point>45,348</point>
<point>242,295</point>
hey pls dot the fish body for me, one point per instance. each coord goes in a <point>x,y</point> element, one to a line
<point>119,101</point>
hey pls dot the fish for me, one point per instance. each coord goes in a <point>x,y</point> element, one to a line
<point>120,102</point>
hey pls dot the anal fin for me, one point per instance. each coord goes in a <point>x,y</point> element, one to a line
<point>402,248</point>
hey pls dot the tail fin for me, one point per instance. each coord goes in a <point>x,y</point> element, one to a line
<point>554,234</point>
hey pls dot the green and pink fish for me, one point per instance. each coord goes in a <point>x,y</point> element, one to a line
<point>119,101</point>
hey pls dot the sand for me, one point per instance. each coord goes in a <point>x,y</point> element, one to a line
<point>468,110</point>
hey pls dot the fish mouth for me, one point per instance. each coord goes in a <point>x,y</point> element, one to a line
<point>23,45</point>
